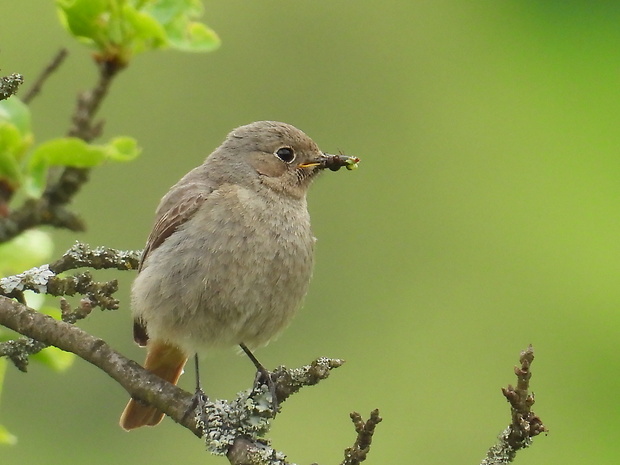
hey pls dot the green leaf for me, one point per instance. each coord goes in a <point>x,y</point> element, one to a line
<point>142,32</point>
<point>71,151</point>
<point>184,34</point>
<point>87,20</point>
<point>17,113</point>
<point>5,436</point>
<point>119,29</point>
<point>29,249</point>
<point>54,358</point>
<point>195,37</point>
<point>122,149</point>
<point>11,148</point>
<point>15,139</point>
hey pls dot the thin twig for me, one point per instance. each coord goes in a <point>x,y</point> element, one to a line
<point>45,74</point>
<point>525,424</point>
<point>365,430</point>
<point>89,102</point>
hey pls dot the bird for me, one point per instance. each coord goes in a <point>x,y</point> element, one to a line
<point>230,256</point>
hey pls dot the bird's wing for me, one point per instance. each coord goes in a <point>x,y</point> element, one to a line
<point>168,221</point>
<point>176,208</point>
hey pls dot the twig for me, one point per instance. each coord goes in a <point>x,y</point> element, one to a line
<point>525,423</point>
<point>38,212</point>
<point>81,255</point>
<point>19,351</point>
<point>88,103</point>
<point>365,429</point>
<point>9,85</point>
<point>45,74</point>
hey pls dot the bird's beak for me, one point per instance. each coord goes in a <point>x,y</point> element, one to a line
<point>310,165</point>
<point>317,162</point>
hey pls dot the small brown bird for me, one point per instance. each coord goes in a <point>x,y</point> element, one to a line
<point>230,256</point>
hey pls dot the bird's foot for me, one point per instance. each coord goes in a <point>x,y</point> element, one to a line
<point>263,377</point>
<point>197,408</point>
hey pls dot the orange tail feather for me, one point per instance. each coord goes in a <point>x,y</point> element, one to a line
<point>167,362</point>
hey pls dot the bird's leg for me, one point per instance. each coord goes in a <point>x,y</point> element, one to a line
<point>199,399</point>
<point>263,376</point>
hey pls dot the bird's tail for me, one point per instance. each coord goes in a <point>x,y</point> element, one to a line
<point>167,362</point>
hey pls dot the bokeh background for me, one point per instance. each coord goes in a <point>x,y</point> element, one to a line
<point>484,217</point>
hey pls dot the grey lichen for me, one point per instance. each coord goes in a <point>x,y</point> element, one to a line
<point>35,279</point>
<point>10,84</point>
<point>247,416</point>
<point>503,452</point>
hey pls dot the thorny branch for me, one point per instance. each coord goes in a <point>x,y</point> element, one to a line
<point>525,423</point>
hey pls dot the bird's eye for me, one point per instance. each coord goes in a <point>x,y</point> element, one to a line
<point>285,154</point>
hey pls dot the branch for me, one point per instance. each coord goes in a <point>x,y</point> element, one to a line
<point>136,380</point>
<point>525,423</point>
<point>38,212</point>
<point>9,85</point>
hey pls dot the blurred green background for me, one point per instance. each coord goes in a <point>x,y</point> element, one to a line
<point>484,217</point>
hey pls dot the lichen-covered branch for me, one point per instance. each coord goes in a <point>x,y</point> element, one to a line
<point>10,84</point>
<point>525,423</point>
<point>136,380</point>
<point>365,430</point>
<point>19,350</point>
<point>81,255</point>
<point>45,280</point>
